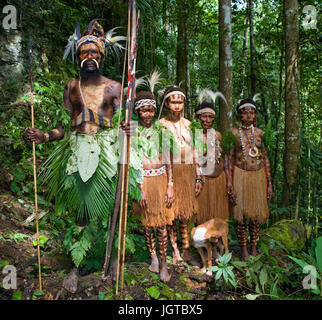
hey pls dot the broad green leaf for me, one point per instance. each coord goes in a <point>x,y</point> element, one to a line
<point>17,295</point>
<point>300,262</point>
<point>263,278</point>
<point>154,292</point>
<point>3,263</point>
<point>87,156</point>
<point>218,274</point>
<point>318,253</point>
<point>214,269</point>
<point>38,292</point>
<point>71,166</point>
<point>225,275</point>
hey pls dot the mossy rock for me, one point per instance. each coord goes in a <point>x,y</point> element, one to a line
<point>168,292</point>
<point>291,233</point>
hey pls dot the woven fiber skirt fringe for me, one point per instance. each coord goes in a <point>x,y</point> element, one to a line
<point>213,200</point>
<point>251,190</point>
<point>156,214</point>
<point>185,204</point>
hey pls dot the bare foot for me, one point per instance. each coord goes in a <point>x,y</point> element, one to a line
<point>164,274</point>
<point>177,258</point>
<point>253,251</point>
<point>244,254</point>
<point>154,266</point>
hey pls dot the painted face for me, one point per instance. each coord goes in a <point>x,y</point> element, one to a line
<point>90,52</point>
<point>175,103</point>
<point>146,115</point>
<point>207,119</point>
<point>247,115</point>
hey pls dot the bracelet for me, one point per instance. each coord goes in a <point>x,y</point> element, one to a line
<point>46,137</point>
<point>170,183</point>
<point>200,181</point>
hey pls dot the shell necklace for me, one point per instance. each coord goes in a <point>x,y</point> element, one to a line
<point>253,150</point>
<point>178,134</point>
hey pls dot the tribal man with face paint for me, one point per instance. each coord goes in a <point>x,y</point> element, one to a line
<point>251,177</point>
<point>79,185</point>
<point>91,98</point>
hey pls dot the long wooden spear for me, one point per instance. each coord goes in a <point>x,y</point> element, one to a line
<point>113,219</point>
<point>119,197</point>
<point>126,146</point>
<point>135,29</point>
<point>34,158</point>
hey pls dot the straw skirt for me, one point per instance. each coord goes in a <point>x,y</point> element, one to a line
<point>213,201</point>
<point>251,191</point>
<point>156,214</point>
<point>185,204</point>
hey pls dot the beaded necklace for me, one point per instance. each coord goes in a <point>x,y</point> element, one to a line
<point>253,151</point>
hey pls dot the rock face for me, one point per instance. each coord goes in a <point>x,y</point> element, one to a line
<point>291,233</point>
<point>11,65</point>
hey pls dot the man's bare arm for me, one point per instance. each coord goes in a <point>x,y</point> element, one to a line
<point>38,136</point>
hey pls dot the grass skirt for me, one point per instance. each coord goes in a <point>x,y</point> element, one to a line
<point>185,204</point>
<point>156,214</point>
<point>213,201</point>
<point>251,190</point>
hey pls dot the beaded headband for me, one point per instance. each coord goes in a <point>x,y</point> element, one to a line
<point>145,102</point>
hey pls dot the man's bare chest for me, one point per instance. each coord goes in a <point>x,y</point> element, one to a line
<point>94,97</point>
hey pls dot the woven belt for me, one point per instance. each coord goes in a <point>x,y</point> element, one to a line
<point>154,172</point>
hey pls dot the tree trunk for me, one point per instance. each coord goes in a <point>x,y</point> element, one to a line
<point>245,60</point>
<point>278,115</point>
<point>292,106</point>
<point>225,65</point>
<point>250,5</point>
<point>181,44</point>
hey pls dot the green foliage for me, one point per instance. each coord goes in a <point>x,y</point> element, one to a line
<point>269,137</point>
<point>153,292</point>
<point>228,142</point>
<point>17,236</point>
<point>224,270</point>
<point>42,241</point>
<point>17,295</point>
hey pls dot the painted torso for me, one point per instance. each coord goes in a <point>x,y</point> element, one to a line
<point>100,97</point>
<point>250,163</point>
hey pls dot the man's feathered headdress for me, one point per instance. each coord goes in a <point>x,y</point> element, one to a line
<point>94,34</point>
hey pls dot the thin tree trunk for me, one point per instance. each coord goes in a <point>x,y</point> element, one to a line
<point>245,59</point>
<point>278,112</point>
<point>225,65</point>
<point>252,47</point>
<point>292,106</point>
<point>181,55</point>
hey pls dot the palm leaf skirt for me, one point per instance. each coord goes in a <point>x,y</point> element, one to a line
<point>91,199</point>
